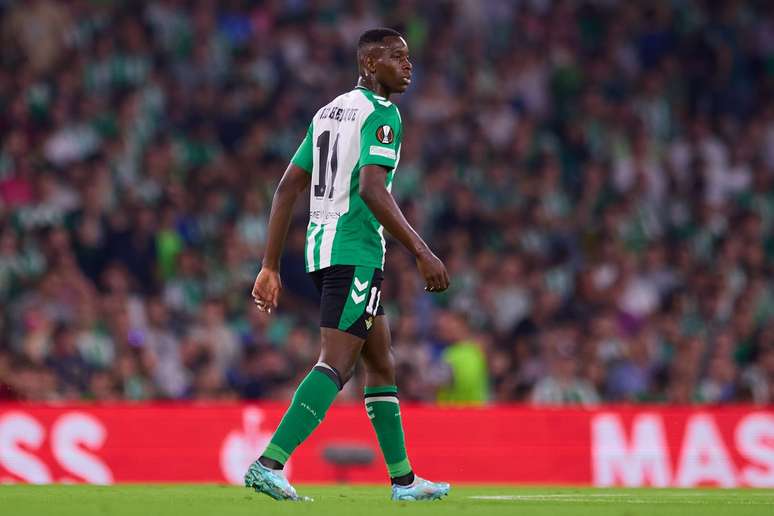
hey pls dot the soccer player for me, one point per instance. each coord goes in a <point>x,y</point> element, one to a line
<point>349,156</point>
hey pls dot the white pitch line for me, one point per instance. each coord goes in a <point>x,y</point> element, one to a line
<point>676,498</point>
<point>547,496</point>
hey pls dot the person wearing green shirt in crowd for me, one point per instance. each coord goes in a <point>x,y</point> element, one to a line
<point>465,357</point>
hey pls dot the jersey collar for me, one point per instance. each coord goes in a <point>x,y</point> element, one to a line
<point>370,92</point>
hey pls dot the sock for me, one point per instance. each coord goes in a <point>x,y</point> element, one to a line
<point>307,410</point>
<point>383,409</point>
<point>403,480</point>
<point>270,463</point>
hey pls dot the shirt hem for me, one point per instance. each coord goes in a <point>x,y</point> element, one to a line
<point>375,265</point>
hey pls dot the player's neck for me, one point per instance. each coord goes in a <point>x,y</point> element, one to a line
<point>374,86</point>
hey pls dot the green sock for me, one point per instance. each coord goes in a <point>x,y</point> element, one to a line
<point>306,412</point>
<point>384,411</point>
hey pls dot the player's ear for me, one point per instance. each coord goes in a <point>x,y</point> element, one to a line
<point>369,62</point>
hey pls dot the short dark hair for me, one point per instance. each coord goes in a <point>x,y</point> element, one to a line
<point>376,36</point>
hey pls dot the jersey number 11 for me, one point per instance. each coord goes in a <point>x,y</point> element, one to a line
<point>323,142</point>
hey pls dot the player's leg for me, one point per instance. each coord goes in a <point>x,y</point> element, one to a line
<point>383,408</point>
<point>381,401</point>
<point>314,395</point>
<point>342,340</point>
<point>310,403</point>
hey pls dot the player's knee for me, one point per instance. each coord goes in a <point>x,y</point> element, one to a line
<point>347,376</point>
<point>382,370</point>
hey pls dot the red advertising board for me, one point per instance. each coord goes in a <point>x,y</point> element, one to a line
<point>631,446</point>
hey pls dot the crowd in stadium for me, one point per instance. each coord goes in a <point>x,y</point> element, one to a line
<point>597,176</point>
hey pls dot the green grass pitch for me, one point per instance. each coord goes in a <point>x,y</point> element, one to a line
<point>200,500</point>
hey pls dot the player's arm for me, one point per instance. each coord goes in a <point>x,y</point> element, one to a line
<point>382,204</point>
<point>295,180</point>
<point>268,284</point>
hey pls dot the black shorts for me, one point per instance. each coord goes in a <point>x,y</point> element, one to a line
<point>349,297</point>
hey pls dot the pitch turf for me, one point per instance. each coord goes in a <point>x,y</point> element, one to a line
<point>201,500</point>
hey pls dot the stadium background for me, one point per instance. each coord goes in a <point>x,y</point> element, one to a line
<point>598,177</point>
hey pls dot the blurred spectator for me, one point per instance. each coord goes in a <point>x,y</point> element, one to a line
<point>563,383</point>
<point>40,29</point>
<point>7,391</point>
<point>163,351</point>
<point>465,358</point>
<point>72,371</point>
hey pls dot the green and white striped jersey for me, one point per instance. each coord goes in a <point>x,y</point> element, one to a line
<point>356,129</point>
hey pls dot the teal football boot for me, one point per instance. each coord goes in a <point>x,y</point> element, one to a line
<point>271,482</point>
<point>420,489</point>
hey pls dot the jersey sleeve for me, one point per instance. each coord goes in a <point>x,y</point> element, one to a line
<point>380,138</point>
<point>303,156</point>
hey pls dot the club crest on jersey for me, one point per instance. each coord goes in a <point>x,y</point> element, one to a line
<point>385,134</point>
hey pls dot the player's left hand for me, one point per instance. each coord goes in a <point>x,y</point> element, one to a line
<point>266,290</point>
<point>433,271</point>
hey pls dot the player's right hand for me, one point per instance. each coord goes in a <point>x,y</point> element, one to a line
<point>266,290</point>
<point>433,271</point>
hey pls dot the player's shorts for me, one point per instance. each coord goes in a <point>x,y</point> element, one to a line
<point>349,297</point>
